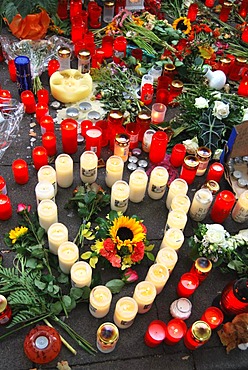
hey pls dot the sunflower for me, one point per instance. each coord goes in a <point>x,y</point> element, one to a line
<point>17,233</point>
<point>126,231</point>
<point>183,24</point>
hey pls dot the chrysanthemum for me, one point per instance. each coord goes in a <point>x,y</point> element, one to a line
<point>17,233</point>
<point>183,24</point>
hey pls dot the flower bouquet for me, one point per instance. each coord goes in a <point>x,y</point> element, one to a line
<point>121,240</point>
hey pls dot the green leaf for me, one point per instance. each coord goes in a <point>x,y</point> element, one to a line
<point>40,233</point>
<point>149,248</point>
<point>76,293</point>
<point>31,263</point>
<point>56,308</point>
<point>39,284</point>
<point>150,256</point>
<point>66,300</point>
<point>115,285</point>
<point>63,278</point>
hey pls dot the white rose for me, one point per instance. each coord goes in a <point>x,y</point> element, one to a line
<point>201,103</point>
<point>191,145</point>
<point>215,233</point>
<point>220,110</point>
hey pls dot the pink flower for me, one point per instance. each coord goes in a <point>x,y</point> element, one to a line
<point>130,276</point>
<point>115,260</point>
<point>109,245</point>
<point>23,207</point>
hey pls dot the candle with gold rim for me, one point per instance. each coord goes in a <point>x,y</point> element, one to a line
<point>144,294</point>
<point>119,196</point>
<point>137,183</point>
<point>173,238</point>
<point>68,254</point>
<point>64,170</point>
<point>177,186</point>
<point>57,234</point>
<point>81,274</point>
<point>158,274</point>
<point>167,257</point>
<point>48,173</point>
<point>126,310</point>
<point>158,181</point>
<point>100,300</point>
<point>114,170</point>
<point>88,167</point>
<point>48,213</point>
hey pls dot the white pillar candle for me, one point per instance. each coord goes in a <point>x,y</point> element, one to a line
<point>201,204</point>
<point>44,190</point>
<point>119,196</point>
<point>100,300</point>
<point>126,310</point>
<point>68,254</point>
<point>177,186</point>
<point>48,173</point>
<point>176,219</point>
<point>88,167</point>
<point>144,294</point>
<point>240,210</point>
<point>48,213</point>
<point>167,257</point>
<point>57,234</point>
<point>157,183</point>
<point>180,202</point>
<point>114,170</point>
<point>137,183</point>
<point>64,170</point>
<point>173,238</point>
<point>158,274</point>
<point>81,274</point>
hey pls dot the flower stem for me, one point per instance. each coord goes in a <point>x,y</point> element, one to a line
<point>73,351</point>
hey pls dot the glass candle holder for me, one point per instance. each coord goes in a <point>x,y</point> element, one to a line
<point>68,254</point>
<point>162,96</point>
<point>20,171</point>
<point>243,8</point>
<point>177,155</point>
<point>175,331</point>
<point>240,210</point>
<point>107,46</point>
<point>5,207</point>
<point>234,297</point>
<point>64,170</point>
<point>225,65</point>
<point>40,157</point>
<point>43,96</point>
<point>163,83</point>
<point>49,143</point>
<point>47,213</point>
<point>147,93</point>
<point>88,167</point>
<point>222,206</point>
<point>53,66</point>
<point>81,274</point>
<point>125,312</point>
<point>69,135</point>
<point>62,9</point>
<point>41,111</point>
<point>44,190</point>
<point>225,11</point>
<point>5,311</point>
<point>137,184</point>
<point>155,333</point>
<point>189,169</point>
<point>181,202</point>
<point>167,257</point>
<point>243,86</point>
<point>84,61</point>
<point>144,294</point>
<point>5,96</point>
<point>75,7</point>
<point>213,316</point>
<point>12,70</point>
<point>203,154</point>
<point>93,138</point>
<point>107,337</point>
<point>177,186</point>
<point>169,71</point>
<point>78,28</point>
<point>146,79</point>
<point>215,172</point>
<point>209,3</point>
<point>157,183</point>
<point>121,147</point>
<point>181,308</point>
<point>173,238</point>
<point>115,120</point>
<point>158,147</point>
<point>147,140</point>
<point>176,88</point>
<point>237,67</point>
<point>56,234</point>
<point>201,268</point>
<point>176,219</point>
<point>3,187</point>
<point>158,274</point>
<point>64,58</point>
<point>197,335</point>
<point>95,15</point>
<point>108,11</point>
<point>114,170</point>
<point>23,73</point>
<point>143,120</point>
<point>48,173</point>
<point>119,48</point>
<point>132,129</point>
<point>99,301</point>
<point>187,285</point>
<point>119,196</point>
<point>158,113</point>
<point>201,204</point>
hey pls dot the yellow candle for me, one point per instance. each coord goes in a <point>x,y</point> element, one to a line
<point>114,170</point>
<point>81,274</point>
<point>240,210</point>
<point>173,238</point>
<point>48,173</point>
<point>68,254</point>
<point>48,213</point>
<point>126,310</point>
<point>44,190</point>
<point>178,186</point>
<point>88,167</point>
<point>144,294</point>
<point>119,196</point>
<point>167,257</point>
<point>137,183</point>
<point>158,181</point>
<point>201,204</point>
<point>64,170</point>
<point>57,234</point>
<point>176,219</point>
<point>180,202</point>
<point>158,274</point>
<point>100,300</point>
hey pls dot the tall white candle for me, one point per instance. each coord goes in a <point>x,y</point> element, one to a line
<point>176,219</point>
<point>48,173</point>
<point>158,274</point>
<point>64,170</point>
<point>88,167</point>
<point>114,170</point>
<point>157,183</point>
<point>240,210</point>
<point>126,310</point>
<point>180,202</point>
<point>167,257</point>
<point>173,238</point>
<point>100,300</point>
<point>144,294</point>
<point>201,204</point>
<point>44,190</point>
<point>177,186</point>
<point>137,183</point>
<point>81,274</point>
<point>47,213</point>
<point>68,254</point>
<point>119,196</point>
<point>57,234</point>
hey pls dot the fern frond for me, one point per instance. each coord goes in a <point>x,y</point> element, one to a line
<point>23,317</point>
<point>22,298</point>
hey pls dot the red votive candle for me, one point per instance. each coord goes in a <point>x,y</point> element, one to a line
<point>53,66</point>
<point>175,331</point>
<point>215,172</point>
<point>243,86</point>
<point>46,124</point>
<point>177,155</point>
<point>12,70</point>
<point>5,96</point>
<point>5,207</point>
<point>187,285</point>
<point>137,53</point>
<point>244,35</point>
<point>41,111</point>
<point>28,99</point>
<point>155,333</point>
<point>201,268</point>
<point>243,8</point>
<point>132,130</point>
<point>69,135</point>
<point>213,316</point>
<point>93,138</point>
<point>225,11</point>
<point>209,3</point>
<point>107,46</point>
<point>162,96</point>
<point>43,96</point>
<point>189,169</point>
<point>3,187</point>
<point>49,143</point>
<point>119,49</point>
<point>40,157</point>
<point>192,12</point>
<point>20,171</point>
<point>103,125</point>
<point>198,334</point>
<point>158,147</point>
<point>222,206</point>
<point>85,125</point>
<point>95,12</point>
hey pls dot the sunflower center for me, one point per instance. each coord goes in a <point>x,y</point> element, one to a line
<point>125,233</point>
<point>181,26</point>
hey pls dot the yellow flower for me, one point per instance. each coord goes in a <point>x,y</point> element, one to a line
<point>183,24</point>
<point>97,246</point>
<point>126,231</point>
<point>206,51</point>
<point>137,20</point>
<point>17,233</point>
<point>111,28</point>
